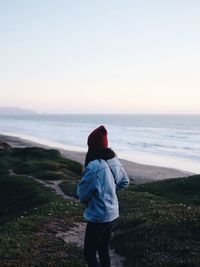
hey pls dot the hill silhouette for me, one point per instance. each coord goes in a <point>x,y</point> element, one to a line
<point>16,111</point>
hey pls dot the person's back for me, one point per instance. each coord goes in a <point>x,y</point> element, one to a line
<point>102,179</point>
<point>103,176</point>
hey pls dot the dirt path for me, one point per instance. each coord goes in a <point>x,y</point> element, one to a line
<point>55,186</point>
<point>77,233</point>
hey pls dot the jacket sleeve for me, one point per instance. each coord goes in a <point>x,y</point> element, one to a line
<point>124,181</point>
<point>87,186</point>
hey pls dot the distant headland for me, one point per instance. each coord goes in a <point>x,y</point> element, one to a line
<point>16,111</point>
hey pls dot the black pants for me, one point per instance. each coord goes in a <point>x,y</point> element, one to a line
<point>97,239</point>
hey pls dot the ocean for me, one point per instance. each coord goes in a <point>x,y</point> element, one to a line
<point>161,140</point>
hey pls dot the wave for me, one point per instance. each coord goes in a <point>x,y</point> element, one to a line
<point>151,145</point>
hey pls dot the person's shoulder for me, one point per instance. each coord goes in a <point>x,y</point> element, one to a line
<point>95,164</point>
<point>100,164</point>
<point>114,161</point>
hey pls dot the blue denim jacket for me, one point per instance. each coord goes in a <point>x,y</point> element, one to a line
<point>98,187</point>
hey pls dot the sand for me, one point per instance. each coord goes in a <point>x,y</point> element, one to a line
<point>138,173</point>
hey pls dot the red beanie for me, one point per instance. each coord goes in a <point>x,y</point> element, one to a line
<point>98,139</point>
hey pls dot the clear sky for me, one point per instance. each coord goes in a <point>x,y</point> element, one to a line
<point>108,56</point>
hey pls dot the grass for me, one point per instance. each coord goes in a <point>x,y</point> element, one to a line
<point>19,195</point>
<point>69,187</point>
<point>158,227</point>
<point>26,238</point>
<point>31,215</point>
<point>182,190</point>
<point>159,224</point>
<point>47,164</point>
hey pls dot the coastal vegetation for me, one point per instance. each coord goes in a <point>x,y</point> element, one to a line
<point>159,223</point>
<point>31,215</point>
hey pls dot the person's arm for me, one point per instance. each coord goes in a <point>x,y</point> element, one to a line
<point>87,186</point>
<point>124,181</point>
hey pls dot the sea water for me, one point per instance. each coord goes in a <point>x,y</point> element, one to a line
<point>162,140</point>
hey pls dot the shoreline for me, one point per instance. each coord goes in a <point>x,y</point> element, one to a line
<point>138,173</point>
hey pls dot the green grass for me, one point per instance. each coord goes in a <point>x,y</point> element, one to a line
<point>69,187</point>
<point>27,212</point>
<point>182,190</point>
<point>158,227</point>
<point>159,224</point>
<point>36,153</point>
<point>50,175</point>
<point>19,195</point>
<point>31,215</point>
<point>41,163</point>
<point>73,166</point>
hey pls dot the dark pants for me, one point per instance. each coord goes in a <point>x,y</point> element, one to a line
<point>97,239</point>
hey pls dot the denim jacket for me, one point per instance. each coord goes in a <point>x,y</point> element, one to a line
<point>98,187</point>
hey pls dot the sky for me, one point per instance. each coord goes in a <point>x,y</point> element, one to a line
<point>108,56</point>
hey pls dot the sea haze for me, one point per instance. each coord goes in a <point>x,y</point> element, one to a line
<point>163,140</point>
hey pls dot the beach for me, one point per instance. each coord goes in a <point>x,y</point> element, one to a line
<point>138,173</point>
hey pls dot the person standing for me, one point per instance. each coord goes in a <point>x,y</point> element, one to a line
<point>103,176</point>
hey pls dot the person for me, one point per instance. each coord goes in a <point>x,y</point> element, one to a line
<point>103,176</point>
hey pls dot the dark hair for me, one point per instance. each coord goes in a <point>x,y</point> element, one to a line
<point>106,153</point>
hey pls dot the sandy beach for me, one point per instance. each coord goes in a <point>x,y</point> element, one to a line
<point>138,173</point>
